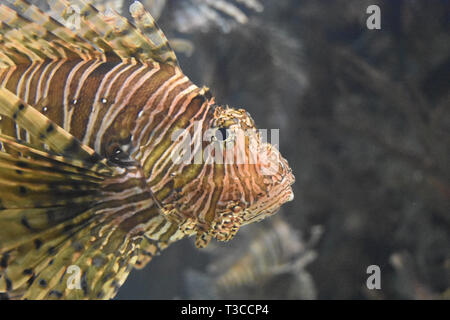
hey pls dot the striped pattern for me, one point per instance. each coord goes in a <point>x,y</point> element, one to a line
<point>275,249</point>
<point>88,179</point>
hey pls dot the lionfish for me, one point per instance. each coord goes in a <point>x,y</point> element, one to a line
<point>89,188</point>
<point>272,253</point>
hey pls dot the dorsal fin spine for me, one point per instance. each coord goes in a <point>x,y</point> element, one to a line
<point>71,40</point>
<point>97,35</point>
<point>148,26</point>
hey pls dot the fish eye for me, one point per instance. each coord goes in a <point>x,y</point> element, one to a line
<point>221,134</point>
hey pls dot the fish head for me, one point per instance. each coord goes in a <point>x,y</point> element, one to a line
<point>256,179</point>
<point>230,178</point>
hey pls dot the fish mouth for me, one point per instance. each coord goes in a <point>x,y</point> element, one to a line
<point>288,195</point>
<point>273,188</point>
<point>274,200</point>
<point>291,195</point>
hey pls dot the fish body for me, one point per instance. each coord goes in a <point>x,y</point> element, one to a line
<point>90,123</point>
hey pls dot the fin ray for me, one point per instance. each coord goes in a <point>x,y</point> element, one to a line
<point>60,141</point>
<point>38,17</point>
<point>97,35</point>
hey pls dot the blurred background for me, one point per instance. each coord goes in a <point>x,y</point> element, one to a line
<point>364,119</point>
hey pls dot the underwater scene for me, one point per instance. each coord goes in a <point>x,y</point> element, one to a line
<point>225,149</point>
